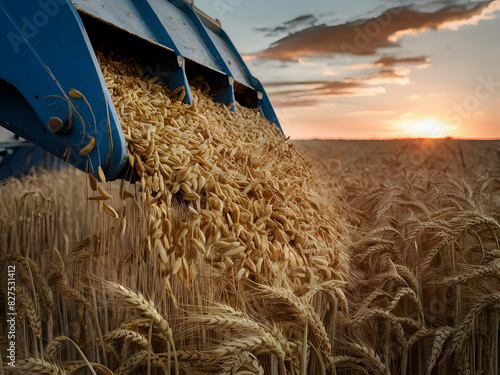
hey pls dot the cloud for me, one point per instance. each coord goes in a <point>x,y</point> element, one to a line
<point>386,76</point>
<point>389,61</point>
<point>308,93</point>
<point>289,27</point>
<point>483,11</point>
<point>283,102</point>
<point>313,88</point>
<point>365,36</point>
<point>299,23</point>
<point>313,93</point>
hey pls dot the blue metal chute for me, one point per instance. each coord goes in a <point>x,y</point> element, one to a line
<point>46,54</point>
<point>51,88</point>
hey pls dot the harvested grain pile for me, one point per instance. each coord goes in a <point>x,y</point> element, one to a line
<point>251,200</point>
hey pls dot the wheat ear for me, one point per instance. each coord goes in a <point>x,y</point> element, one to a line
<point>147,309</point>
<point>127,336</point>
<point>36,366</point>
<point>440,337</point>
<point>463,331</point>
<point>28,307</point>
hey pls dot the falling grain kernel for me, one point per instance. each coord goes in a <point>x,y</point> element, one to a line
<point>131,159</point>
<point>123,224</point>
<point>182,234</point>
<point>235,213</point>
<point>250,264</point>
<point>177,266</point>
<point>240,274</point>
<point>198,245</point>
<point>109,210</point>
<point>177,90</point>
<point>138,163</point>
<point>98,198</point>
<point>281,236</point>
<point>75,94</point>
<point>100,172</point>
<point>175,188</point>
<point>258,265</point>
<point>124,194</point>
<point>92,181</point>
<point>235,251</point>
<point>162,253</point>
<point>156,198</point>
<point>89,147</point>
<point>201,182</point>
<point>182,95</point>
<point>104,194</point>
<point>153,79</point>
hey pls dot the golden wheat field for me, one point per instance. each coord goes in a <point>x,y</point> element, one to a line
<point>238,252</point>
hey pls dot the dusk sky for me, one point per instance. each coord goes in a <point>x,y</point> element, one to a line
<point>367,69</point>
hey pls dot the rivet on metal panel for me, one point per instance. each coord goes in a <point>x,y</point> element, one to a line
<point>57,126</point>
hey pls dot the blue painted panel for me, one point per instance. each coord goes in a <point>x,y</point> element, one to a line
<point>187,39</point>
<point>121,13</point>
<point>239,68</point>
<point>230,58</point>
<point>48,55</point>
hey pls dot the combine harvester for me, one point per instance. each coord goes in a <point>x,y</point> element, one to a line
<point>53,94</point>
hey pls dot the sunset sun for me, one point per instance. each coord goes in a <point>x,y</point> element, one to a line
<point>425,128</point>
